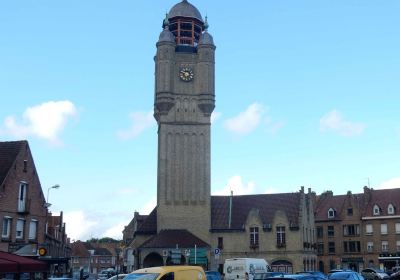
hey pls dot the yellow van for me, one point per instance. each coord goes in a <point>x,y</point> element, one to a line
<point>177,272</point>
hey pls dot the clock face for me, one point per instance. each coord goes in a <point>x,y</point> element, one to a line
<point>186,74</point>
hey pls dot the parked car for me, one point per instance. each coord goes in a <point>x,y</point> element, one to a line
<point>296,277</point>
<point>374,274</point>
<point>265,275</point>
<point>319,273</point>
<point>117,277</point>
<point>213,275</point>
<point>345,275</point>
<point>395,276</point>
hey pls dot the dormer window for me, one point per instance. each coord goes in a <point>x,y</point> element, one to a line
<point>390,209</point>
<point>331,213</point>
<point>376,210</point>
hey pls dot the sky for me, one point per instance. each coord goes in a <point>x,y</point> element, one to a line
<point>307,94</point>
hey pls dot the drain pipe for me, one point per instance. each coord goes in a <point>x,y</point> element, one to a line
<point>230,209</point>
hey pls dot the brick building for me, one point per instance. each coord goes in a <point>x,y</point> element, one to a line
<point>26,224</point>
<point>356,231</point>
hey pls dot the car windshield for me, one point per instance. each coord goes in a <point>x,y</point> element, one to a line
<point>141,276</point>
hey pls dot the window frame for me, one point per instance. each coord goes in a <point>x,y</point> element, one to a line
<point>280,235</point>
<point>384,229</point>
<point>331,213</point>
<point>20,229</point>
<point>254,236</point>
<point>331,231</point>
<point>6,225</point>
<point>33,229</point>
<point>376,210</point>
<point>390,209</point>
<point>385,246</point>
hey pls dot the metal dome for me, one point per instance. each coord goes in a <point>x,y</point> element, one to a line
<point>185,9</point>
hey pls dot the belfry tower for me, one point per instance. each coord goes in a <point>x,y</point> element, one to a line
<point>184,101</point>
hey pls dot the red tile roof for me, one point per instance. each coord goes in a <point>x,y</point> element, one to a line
<point>79,250</point>
<point>383,198</point>
<point>170,238</point>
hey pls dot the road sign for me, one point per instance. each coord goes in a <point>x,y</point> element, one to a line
<point>217,251</point>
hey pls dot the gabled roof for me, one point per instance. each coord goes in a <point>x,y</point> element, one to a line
<point>383,198</point>
<point>168,238</point>
<point>149,225</point>
<point>338,203</point>
<point>79,250</point>
<point>266,204</point>
<point>8,154</point>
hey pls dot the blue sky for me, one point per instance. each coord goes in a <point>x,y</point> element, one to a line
<point>307,94</point>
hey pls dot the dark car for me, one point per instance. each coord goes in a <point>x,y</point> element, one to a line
<point>345,275</point>
<point>265,275</point>
<point>318,273</point>
<point>296,277</point>
<point>374,274</point>
<point>213,275</point>
<point>395,276</point>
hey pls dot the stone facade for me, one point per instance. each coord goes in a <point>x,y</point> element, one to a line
<point>187,219</point>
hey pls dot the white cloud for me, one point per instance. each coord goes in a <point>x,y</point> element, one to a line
<point>115,231</point>
<point>334,121</point>
<point>215,116</point>
<point>140,122</point>
<point>236,185</point>
<point>45,121</point>
<point>79,226</point>
<point>390,184</point>
<point>246,121</point>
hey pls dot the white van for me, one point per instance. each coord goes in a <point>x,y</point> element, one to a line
<point>236,268</point>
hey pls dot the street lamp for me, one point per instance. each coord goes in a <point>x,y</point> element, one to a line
<point>48,191</point>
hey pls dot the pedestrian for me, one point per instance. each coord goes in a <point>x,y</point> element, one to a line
<point>246,276</point>
<point>222,276</point>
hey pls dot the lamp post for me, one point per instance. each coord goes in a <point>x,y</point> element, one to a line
<point>47,204</point>
<point>48,191</point>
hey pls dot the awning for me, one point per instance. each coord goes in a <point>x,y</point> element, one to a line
<point>16,264</point>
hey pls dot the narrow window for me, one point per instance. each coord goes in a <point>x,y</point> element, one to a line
<point>383,228</point>
<point>370,246</point>
<point>368,229</point>
<point>33,230</point>
<point>331,231</point>
<point>385,246</point>
<point>280,236</point>
<point>376,210</point>
<point>331,213</point>
<point>19,234</point>
<point>398,245</point>
<point>320,232</point>
<point>331,247</point>
<point>6,230</point>
<point>390,209</point>
<point>397,227</point>
<point>254,236</point>
<point>25,165</point>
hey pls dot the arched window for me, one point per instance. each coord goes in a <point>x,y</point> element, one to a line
<point>331,213</point>
<point>390,209</point>
<point>376,210</point>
